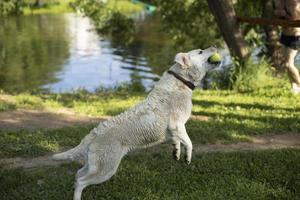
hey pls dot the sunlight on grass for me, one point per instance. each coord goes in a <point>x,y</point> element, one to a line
<point>124,6</point>
<point>233,116</point>
<point>53,8</point>
<point>49,146</point>
<point>240,137</point>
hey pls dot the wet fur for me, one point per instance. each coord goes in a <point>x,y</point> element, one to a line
<point>160,117</point>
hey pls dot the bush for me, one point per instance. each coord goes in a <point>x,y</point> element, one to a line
<point>9,7</point>
<point>252,76</point>
<point>107,21</point>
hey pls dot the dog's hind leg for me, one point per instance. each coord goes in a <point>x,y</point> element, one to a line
<point>79,151</point>
<point>88,170</point>
<point>102,164</point>
<point>82,171</point>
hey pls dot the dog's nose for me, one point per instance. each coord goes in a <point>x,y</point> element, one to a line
<point>215,59</point>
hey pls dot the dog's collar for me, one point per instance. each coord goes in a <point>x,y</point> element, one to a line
<point>186,82</point>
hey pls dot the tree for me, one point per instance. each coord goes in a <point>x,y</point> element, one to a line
<point>273,47</point>
<point>225,16</point>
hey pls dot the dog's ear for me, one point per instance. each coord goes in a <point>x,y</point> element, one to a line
<point>183,59</point>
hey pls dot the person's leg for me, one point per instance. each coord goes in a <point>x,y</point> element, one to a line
<point>292,71</point>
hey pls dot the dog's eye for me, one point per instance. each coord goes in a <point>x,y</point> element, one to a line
<point>200,52</point>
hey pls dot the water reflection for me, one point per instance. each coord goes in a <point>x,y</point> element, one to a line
<point>83,41</point>
<point>63,53</point>
<point>32,49</point>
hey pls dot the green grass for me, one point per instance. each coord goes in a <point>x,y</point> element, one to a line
<point>233,116</point>
<point>39,142</point>
<point>63,6</point>
<point>271,174</point>
<point>102,103</point>
<point>125,6</point>
<point>242,175</point>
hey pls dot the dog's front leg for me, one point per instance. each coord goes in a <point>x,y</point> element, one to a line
<point>179,135</point>
<point>176,147</point>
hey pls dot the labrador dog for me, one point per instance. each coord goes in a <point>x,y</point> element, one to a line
<point>160,117</point>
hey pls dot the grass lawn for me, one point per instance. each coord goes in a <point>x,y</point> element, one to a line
<point>62,6</point>
<point>233,117</point>
<point>242,175</point>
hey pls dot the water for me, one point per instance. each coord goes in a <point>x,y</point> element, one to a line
<point>62,53</point>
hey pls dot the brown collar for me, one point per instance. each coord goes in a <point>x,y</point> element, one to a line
<point>186,82</point>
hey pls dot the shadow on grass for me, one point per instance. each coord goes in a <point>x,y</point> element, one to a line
<point>234,128</point>
<point>28,143</point>
<point>276,123</point>
<point>223,127</point>
<point>269,174</point>
<point>248,106</point>
<point>40,142</point>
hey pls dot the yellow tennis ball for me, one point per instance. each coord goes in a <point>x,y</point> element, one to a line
<point>215,58</point>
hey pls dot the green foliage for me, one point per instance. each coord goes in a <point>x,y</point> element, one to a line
<point>254,34</point>
<point>48,6</point>
<point>190,23</point>
<point>29,51</point>
<point>120,27</point>
<point>248,8</point>
<point>6,106</point>
<point>252,76</point>
<point>108,21</point>
<point>10,7</point>
<point>13,7</point>
<point>125,6</point>
<point>272,174</point>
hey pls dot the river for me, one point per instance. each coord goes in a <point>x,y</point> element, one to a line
<point>62,53</point>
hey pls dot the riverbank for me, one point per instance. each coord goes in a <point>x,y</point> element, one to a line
<point>58,7</point>
<point>65,6</point>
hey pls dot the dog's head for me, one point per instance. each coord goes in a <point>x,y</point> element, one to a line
<point>194,64</point>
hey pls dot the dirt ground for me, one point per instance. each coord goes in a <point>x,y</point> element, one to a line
<point>32,119</point>
<point>36,119</point>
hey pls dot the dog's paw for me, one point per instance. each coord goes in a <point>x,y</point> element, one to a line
<point>175,155</point>
<point>187,161</point>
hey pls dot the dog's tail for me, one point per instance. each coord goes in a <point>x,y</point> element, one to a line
<point>78,152</point>
<point>71,154</point>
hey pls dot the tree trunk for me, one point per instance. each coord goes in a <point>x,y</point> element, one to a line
<point>274,48</point>
<point>37,3</point>
<point>225,16</point>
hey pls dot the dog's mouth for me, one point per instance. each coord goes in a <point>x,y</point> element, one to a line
<point>215,59</point>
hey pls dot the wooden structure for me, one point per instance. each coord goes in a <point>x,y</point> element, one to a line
<point>225,16</point>
<point>266,21</point>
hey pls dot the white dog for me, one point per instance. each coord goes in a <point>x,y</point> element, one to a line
<point>160,117</point>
